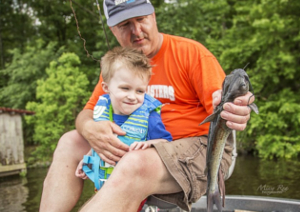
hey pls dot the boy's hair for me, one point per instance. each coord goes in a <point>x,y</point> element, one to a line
<point>132,59</point>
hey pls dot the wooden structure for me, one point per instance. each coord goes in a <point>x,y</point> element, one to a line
<point>11,141</point>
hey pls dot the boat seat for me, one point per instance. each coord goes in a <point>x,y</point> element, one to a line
<point>154,204</point>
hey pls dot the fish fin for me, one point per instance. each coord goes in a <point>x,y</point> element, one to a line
<point>254,108</point>
<point>208,118</point>
<point>214,199</point>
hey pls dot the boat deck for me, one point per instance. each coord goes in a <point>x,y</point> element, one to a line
<point>244,204</point>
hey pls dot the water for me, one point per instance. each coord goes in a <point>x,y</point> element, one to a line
<point>23,194</point>
<point>250,177</point>
<point>257,177</point>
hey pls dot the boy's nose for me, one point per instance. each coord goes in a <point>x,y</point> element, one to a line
<point>131,96</point>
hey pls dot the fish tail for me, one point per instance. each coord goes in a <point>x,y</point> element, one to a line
<point>214,199</point>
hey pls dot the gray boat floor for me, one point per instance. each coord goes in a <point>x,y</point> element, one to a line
<point>235,203</point>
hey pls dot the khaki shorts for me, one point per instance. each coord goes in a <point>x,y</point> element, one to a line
<point>185,159</point>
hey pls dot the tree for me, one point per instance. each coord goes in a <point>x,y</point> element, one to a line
<point>16,26</point>
<point>60,97</point>
<point>207,19</point>
<point>23,72</point>
<point>265,34</point>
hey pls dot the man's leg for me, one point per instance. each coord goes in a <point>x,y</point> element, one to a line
<point>137,175</point>
<point>62,188</point>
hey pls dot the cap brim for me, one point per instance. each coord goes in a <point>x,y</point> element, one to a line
<point>136,11</point>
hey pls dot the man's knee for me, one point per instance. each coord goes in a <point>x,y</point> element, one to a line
<point>140,163</point>
<point>71,143</point>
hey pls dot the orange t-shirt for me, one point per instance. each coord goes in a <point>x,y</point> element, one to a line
<point>185,74</point>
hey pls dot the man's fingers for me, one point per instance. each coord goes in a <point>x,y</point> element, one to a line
<point>236,116</point>
<point>216,97</point>
<point>241,118</point>
<point>245,100</point>
<point>235,110</point>
<point>112,145</point>
<point>117,129</point>
<point>235,126</point>
<point>108,160</point>
<point>114,141</point>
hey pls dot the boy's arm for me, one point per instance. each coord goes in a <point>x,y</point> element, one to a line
<point>156,141</point>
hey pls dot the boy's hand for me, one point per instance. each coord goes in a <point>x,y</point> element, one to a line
<point>79,172</point>
<point>139,145</point>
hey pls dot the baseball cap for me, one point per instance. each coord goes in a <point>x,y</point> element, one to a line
<point>117,11</point>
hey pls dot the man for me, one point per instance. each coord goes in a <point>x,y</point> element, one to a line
<point>186,76</point>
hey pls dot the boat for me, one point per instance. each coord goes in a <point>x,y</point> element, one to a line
<point>233,203</point>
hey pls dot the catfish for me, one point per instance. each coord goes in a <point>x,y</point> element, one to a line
<point>235,84</point>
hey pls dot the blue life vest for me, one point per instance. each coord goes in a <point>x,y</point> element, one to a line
<point>136,128</point>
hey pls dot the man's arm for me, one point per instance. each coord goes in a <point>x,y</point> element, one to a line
<point>237,113</point>
<point>100,136</point>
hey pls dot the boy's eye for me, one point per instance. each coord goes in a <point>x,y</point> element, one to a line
<point>141,91</point>
<point>124,88</point>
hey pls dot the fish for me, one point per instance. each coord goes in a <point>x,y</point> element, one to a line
<point>236,84</point>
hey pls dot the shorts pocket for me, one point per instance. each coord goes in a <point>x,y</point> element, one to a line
<point>193,164</point>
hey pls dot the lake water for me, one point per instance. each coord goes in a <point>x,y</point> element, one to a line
<point>251,176</point>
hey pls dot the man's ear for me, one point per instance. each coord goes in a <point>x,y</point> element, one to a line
<point>112,30</point>
<point>105,87</point>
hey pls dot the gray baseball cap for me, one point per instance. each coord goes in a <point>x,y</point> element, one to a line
<point>117,11</point>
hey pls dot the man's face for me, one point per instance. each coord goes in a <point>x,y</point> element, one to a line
<point>139,33</point>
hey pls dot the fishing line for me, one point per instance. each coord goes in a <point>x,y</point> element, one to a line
<point>250,85</point>
<point>98,7</point>
<point>250,98</point>
<point>246,66</point>
<point>84,41</point>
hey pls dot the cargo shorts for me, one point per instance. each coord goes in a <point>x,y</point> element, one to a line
<point>185,159</point>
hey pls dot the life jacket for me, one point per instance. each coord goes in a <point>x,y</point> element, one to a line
<point>136,128</point>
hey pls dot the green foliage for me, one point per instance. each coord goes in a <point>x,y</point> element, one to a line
<point>60,97</point>
<point>266,35</point>
<point>23,72</point>
<point>261,33</point>
<point>193,19</point>
<point>15,29</point>
<point>276,129</point>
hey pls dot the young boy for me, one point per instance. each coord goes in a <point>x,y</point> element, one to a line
<point>126,73</point>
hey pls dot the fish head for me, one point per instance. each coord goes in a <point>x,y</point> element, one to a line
<point>239,85</point>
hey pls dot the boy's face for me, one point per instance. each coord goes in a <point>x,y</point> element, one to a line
<point>126,90</point>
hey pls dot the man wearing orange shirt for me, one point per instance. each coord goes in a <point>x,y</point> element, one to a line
<point>187,79</point>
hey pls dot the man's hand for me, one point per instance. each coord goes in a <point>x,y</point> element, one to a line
<point>101,136</point>
<point>237,113</point>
